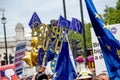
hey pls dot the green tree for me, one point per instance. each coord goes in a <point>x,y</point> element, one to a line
<point>88,35</point>
<point>112,15</point>
<point>76,36</point>
<point>108,19</point>
<point>118,5</point>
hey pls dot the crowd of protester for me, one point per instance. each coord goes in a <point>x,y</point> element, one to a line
<point>40,75</point>
<point>102,76</point>
<point>36,77</point>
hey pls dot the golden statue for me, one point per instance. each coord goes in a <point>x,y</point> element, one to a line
<point>31,58</point>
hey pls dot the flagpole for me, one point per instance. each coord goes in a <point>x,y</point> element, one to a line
<point>64,9</point>
<point>83,30</point>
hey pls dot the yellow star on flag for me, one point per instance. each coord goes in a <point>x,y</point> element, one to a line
<point>108,47</point>
<point>118,52</point>
<point>55,74</point>
<point>53,62</point>
<point>53,68</point>
<point>97,15</point>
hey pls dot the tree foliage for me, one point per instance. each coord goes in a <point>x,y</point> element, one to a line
<point>88,35</point>
<point>76,36</point>
<point>112,15</point>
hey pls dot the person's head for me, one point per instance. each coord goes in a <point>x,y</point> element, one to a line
<point>96,78</point>
<point>103,76</point>
<point>50,77</point>
<point>41,76</point>
<point>86,79</point>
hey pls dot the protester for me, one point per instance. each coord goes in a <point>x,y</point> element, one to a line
<point>29,77</point>
<point>50,77</point>
<point>41,74</point>
<point>103,76</point>
<point>92,70</point>
<point>96,78</point>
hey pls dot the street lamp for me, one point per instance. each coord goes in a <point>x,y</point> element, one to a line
<point>64,9</point>
<point>82,20</point>
<point>3,21</point>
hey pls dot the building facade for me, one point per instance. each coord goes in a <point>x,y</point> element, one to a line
<point>20,36</point>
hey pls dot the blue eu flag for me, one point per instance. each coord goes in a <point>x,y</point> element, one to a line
<point>76,25</point>
<point>53,62</point>
<point>109,45</point>
<point>62,22</point>
<point>35,20</point>
<point>64,69</point>
<point>49,56</point>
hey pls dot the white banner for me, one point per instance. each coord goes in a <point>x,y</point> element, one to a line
<point>98,57</point>
<point>20,50</point>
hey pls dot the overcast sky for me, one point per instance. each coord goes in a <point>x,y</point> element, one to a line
<point>20,11</point>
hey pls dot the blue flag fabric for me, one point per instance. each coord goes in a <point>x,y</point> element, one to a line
<point>64,69</point>
<point>34,20</point>
<point>76,25</point>
<point>53,62</point>
<point>62,22</point>
<point>109,45</point>
<point>49,56</point>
